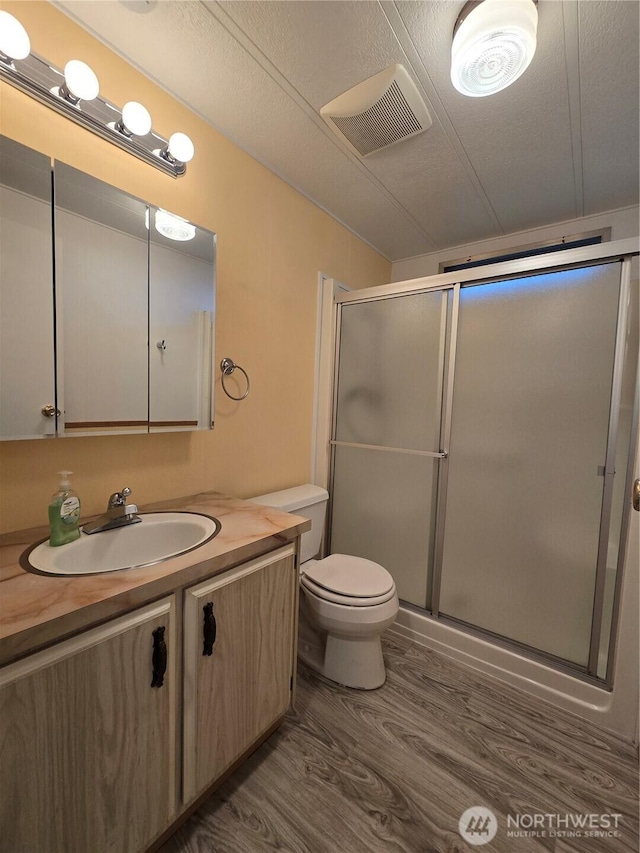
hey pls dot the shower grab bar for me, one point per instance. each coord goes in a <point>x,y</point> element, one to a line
<point>435,454</point>
<point>227,366</point>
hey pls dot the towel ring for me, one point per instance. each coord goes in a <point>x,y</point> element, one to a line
<point>227,366</point>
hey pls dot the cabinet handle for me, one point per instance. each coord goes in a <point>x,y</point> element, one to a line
<point>209,631</point>
<point>159,657</point>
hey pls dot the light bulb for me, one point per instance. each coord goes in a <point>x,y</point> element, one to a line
<point>136,118</point>
<point>174,227</point>
<point>493,45</point>
<point>80,81</point>
<point>180,147</point>
<point>14,40</point>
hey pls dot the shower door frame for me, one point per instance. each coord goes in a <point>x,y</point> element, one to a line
<point>622,251</point>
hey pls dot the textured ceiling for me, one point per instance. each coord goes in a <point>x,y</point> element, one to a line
<point>560,143</point>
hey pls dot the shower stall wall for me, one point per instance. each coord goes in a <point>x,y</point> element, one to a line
<point>482,443</point>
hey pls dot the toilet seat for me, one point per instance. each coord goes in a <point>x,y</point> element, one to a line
<point>347,580</point>
<point>345,600</point>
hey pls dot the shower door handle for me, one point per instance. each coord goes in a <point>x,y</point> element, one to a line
<point>636,495</point>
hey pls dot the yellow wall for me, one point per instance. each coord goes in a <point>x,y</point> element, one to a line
<point>272,242</point>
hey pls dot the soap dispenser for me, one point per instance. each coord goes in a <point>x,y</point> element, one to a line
<point>64,513</point>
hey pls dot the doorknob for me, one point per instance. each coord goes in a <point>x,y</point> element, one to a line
<point>50,411</point>
<point>636,495</point>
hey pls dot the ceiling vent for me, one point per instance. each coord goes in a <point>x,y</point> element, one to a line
<point>385,109</point>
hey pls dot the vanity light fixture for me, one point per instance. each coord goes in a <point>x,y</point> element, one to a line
<point>180,148</point>
<point>80,83</point>
<point>135,121</point>
<point>14,39</point>
<point>493,43</point>
<point>74,93</point>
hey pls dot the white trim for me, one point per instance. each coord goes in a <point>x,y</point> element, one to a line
<point>86,640</point>
<point>230,576</point>
<point>623,223</point>
<point>329,289</point>
<point>505,269</point>
<point>571,27</point>
<point>615,710</point>
<point>539,247</point>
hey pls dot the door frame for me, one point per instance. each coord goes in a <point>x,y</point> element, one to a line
<point>329,292</point>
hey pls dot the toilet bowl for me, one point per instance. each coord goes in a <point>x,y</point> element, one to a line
<point>350,602</point>
<point>346,602</point>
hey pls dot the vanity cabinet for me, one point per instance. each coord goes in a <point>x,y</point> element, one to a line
<point>239,659</point>
<point>93,741</point>
<point>87,753</point>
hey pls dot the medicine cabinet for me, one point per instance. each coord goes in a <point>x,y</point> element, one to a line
<point>107,307</point>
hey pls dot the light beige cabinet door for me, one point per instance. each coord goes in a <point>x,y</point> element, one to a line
<point>87,745</point>
<point>233,694</point>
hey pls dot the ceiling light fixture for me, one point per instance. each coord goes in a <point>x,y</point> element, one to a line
<point>174,227</point>
<point>493,43</point>
<point>74,94</point>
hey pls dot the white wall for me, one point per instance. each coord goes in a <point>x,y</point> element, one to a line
<point>623,223</point>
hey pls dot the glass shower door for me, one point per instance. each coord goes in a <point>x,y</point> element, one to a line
<point>530,420</point>
<point>386,447</point>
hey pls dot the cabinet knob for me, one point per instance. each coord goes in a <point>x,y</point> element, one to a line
<point>159,657</point>
<point>209,629</point>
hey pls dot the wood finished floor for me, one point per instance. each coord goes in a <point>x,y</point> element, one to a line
<point>392,770</point>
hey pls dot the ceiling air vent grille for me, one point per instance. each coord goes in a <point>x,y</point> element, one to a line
<point>379,112</point>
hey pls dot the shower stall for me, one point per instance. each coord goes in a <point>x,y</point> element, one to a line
<point>483,436</point>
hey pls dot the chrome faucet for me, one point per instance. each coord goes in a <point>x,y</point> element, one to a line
<point>119,514</point>
<point>119,499</point>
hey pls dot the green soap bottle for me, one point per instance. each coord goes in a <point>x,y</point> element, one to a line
<point>64,513</point>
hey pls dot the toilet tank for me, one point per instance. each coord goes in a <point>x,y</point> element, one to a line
<point>308,501</point>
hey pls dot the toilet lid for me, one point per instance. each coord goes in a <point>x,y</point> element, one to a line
<point>350,576</point>
<point>345,600</point>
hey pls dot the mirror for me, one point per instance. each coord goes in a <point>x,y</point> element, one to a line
<point>134,294</point>
<point>181,323</point>
<point>101,274</point>
<point>27,378</point>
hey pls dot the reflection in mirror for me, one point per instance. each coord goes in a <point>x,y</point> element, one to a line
<point>101,250</point>
<point>27,403</point>
<point>181,323</point>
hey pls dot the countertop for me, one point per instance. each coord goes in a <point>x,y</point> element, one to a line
<point>36,610</point>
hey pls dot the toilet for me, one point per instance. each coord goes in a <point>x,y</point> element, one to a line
<point>346,602</point>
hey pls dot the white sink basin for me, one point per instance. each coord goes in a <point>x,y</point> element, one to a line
<point>159,536</point>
